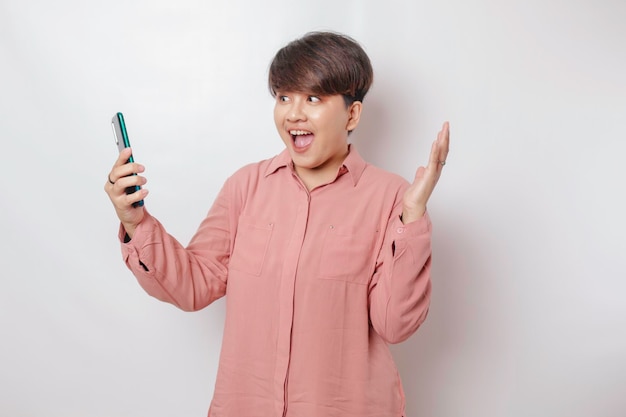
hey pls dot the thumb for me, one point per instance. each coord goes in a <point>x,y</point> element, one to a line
<point>419,174</point>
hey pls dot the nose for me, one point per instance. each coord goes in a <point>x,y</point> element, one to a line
<point>296,111</point>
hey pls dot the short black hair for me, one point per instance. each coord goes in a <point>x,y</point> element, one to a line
<point>322,63</point>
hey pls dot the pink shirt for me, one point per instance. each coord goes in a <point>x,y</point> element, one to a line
<point>317,284</point>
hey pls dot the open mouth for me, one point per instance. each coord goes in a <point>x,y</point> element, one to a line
<point>301,138</point>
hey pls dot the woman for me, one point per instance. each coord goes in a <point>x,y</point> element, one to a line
<point>325,259</point>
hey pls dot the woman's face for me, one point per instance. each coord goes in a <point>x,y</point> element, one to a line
<point>315,129</point>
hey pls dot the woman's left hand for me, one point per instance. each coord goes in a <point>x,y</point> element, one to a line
<point>426,178</point>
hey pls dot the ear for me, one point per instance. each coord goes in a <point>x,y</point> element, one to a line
<point>354,115</point>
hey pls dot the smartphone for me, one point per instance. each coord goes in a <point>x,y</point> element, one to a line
<point>121,139</point>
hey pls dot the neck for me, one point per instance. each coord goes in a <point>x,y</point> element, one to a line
<point>321,175</point>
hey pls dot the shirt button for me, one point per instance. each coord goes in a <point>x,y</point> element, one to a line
<point>400,230</point>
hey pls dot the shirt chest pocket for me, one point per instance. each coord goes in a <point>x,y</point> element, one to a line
<point>347,256</point>
<point>251,244</point>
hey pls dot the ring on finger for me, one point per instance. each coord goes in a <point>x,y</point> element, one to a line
<point>109,178</point>
<point>441,162</point>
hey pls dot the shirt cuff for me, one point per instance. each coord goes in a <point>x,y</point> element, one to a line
<point>413,229</point>
<point>140,237</point>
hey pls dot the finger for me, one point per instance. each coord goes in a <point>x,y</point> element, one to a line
<point>444,139</point>
<point>129,181</point>
<point>419,174</point>
<point>125,193</point>
<point>434,161</point>
<point>439,150</point>
<point>122,160</point>
<point>118,189</point>
<point>138,195</point>
<point>123,156</point>
<point>125,170</point>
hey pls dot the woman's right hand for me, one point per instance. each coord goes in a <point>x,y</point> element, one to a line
<point>119,179</point>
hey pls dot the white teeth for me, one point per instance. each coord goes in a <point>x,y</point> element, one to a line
<point>299,132</point>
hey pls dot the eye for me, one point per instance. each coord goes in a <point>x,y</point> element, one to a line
<point>314,99</point>
<point>282,99</point>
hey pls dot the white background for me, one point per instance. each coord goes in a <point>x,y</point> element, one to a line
<point>528,315</point>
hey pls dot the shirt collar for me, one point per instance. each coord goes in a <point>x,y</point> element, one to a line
<point>354,164</point>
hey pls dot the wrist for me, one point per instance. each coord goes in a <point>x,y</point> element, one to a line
<point>412,214</point>
<point>130,229</point>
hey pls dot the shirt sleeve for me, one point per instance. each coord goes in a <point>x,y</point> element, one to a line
<point>190,278</point>
<point>400,288</point>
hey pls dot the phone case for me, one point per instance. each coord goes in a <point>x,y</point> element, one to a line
<point>121,139</point>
